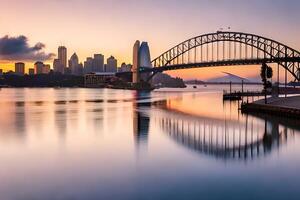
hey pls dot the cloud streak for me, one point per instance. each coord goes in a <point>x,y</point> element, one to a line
<point>17,48</point>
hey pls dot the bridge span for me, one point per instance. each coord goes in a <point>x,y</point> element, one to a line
<point>227,49</point>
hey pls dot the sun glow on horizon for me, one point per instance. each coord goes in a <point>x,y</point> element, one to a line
<point>111,27</point>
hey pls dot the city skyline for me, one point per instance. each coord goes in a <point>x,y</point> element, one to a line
<point>72,65</point>
<point>113,30</point>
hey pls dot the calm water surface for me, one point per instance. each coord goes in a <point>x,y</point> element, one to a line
<point>69,144</point>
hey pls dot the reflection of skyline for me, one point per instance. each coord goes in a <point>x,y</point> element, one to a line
<point>13,118</point>
<point>20,115</point>
<point>20,119</point>
<point>60,118</point>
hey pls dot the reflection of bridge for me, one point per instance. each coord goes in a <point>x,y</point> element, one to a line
<point>227,49</point>
<point>244,138</point>
<point>230,140</point>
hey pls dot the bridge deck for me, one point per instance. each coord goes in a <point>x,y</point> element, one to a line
<point>235,62</point>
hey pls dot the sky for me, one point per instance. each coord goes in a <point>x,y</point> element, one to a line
<point>111,27</point>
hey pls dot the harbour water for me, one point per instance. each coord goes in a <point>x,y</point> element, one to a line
<point>63,144</point>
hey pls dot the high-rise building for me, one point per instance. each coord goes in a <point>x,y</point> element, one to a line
<point>125,68</point>
<point>1,72</point>
<point>46,69</point>
<point>112,64</point>
<point>135,66</point>
<point>80,69</point>
<point>20,68</point>
<point>62,56</point>
<point>88,65</point>
<point>58,67</point>
<point>74,64</point>
<point>98,63</point>
<point>31,71</point>
<point>38,67</point>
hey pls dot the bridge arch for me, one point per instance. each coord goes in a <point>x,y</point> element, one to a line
<point>228,48</point>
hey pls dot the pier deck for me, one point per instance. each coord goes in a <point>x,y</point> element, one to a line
<point>238,95</point>
<point>288,107</point>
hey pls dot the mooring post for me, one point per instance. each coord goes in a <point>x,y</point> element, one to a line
<point>230,87</point>
<point>242,86</point>
<point>286,66</point>
<point>285,83</point>
<point>278,79</point>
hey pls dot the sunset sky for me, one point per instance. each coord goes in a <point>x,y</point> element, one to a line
<point>111,27</point>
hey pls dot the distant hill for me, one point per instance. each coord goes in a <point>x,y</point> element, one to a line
<point>229,78</point>
<point>165,80</point>
<point>256,79</point>
<point>226,79</point>
<point>197,82</point>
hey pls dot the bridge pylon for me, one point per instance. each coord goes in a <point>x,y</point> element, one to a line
<point>135,63</point>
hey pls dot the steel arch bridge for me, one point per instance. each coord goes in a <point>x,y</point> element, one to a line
<point>227,49</point>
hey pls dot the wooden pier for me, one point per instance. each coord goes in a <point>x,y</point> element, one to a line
<point>282,111</point>
<point>237,95</point>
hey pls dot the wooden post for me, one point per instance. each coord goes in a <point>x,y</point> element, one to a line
<point>286,65</point>
<point>242,86</point>
<point>278,79</point>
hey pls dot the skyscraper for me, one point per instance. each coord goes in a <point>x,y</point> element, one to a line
<point>98,63</point>
<point>88,65</point>
<point>20,68</point>
<point>80,68</point>
<point>38,67</point>
<point>135,66</point>
<point>125,68</point>
<point>62,56</point>
<point>57,66</point>
<point>112,64</point>
<point>74,64</point>
<point>46,69</point>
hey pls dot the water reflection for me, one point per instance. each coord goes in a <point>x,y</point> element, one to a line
<point>141,119</point>
<point>60,118</point>
<point>73,140</point>
<point>20,119</point>
<point>248,138</point>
